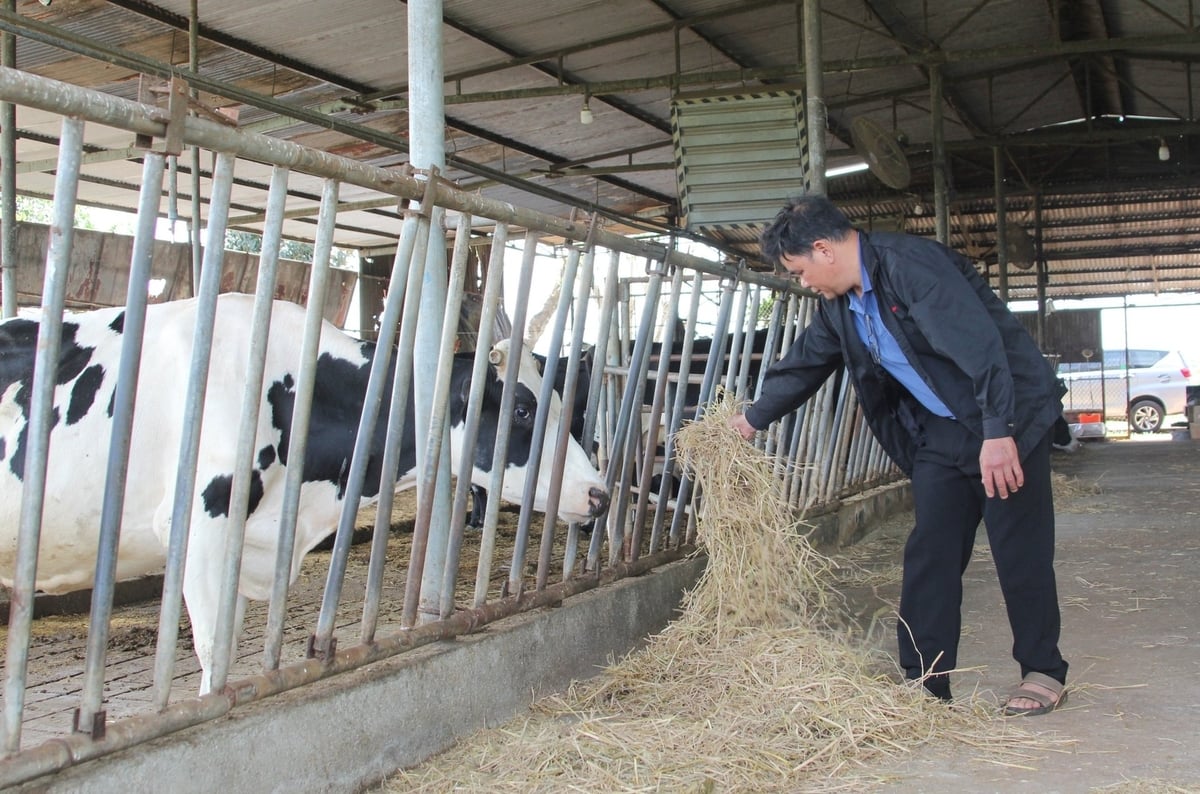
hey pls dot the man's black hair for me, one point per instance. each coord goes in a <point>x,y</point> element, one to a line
<point>801,222</point>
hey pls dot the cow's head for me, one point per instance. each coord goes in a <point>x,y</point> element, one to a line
<point>583,495</point>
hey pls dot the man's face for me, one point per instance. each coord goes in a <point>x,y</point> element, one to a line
<point>817,270</point>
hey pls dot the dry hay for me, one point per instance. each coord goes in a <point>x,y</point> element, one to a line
<point>754,688</point>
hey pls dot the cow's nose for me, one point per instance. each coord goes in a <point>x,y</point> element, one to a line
<point>597,501</point>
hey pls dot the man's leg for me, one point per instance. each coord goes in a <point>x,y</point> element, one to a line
<point>1021,533</point>
<point>947,510</point>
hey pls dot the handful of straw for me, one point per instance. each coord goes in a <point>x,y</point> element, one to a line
<point>752,689</point>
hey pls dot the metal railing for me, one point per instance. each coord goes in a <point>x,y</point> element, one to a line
<point>644,384</point>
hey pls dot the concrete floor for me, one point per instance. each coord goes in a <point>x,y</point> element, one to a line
<point>1128,564</point>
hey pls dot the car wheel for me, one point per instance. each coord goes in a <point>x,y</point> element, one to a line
<point>1145,416</point>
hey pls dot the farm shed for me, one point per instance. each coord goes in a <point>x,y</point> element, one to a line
<point>1053,144</point>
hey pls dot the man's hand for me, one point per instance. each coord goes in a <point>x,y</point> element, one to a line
<point>1000,466</point>
<point>738,422</point>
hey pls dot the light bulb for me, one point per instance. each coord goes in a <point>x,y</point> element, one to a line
<point>585,114</point>
<point>1164,153</point>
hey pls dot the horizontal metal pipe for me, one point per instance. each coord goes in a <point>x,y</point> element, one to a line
<point>56,97</point>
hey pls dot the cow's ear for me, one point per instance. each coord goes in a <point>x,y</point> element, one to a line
<point>493,387</point>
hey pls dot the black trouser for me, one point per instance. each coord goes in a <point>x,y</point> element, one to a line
<point>949,502</point>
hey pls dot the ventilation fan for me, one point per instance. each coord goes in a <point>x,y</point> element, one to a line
<point>1018,246</point>
<point>882,152</point>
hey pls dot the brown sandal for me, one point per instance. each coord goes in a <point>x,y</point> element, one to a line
<point>1047,704</point>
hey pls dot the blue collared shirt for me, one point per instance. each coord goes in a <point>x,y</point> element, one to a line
<point>886,351</point>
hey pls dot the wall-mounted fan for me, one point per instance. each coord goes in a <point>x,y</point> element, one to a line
<point>882,151</point>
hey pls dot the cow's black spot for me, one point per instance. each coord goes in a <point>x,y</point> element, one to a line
<point>217,493</point>
<point>2,448</point>
<point>281,396</point>
<point>17,463</point>
<point>112,401</point>
<point>266,456</point>
<point>84,393</point>
<point>118,323</point>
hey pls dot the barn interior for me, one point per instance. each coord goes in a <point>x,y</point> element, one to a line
<point>1054,142</point>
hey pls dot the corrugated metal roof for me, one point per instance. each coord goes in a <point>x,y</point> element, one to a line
<point>1076,97</point>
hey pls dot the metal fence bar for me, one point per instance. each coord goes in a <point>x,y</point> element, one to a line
<point>512,371</point>
<point>712,373</point>
<point>655,423</point>
<point>185,480</point>
<point>537,445</point>
<point>104,584</point>
<point>596,390</point>
<point>491,302</point>
<point>402,379</point>
<point>41,404</point>
<point>430,469</point>
<point>264,293</point>
<point>583,289</point>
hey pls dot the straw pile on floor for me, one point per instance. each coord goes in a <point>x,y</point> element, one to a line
<point>754,688</point>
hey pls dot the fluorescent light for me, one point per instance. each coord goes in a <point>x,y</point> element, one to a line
<point>852,168</point>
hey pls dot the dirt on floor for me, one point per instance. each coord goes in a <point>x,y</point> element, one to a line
<point>58,643</point>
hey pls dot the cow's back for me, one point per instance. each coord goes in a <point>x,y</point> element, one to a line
<point>80,437</point>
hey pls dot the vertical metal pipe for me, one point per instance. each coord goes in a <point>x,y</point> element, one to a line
<point>302,414</point>
<point>41,404</point>
<point>228,621</point>
<point>1001,223</point>
<point>657,402</point>
<point>582,302</point>
<point>193,413</point>
<point>603,357</point>
<point>268,261</point>
<point>712,373</point>
<point>8,182</point>
<point>426,123</point>
<point>537,444</point>
<point>631,401</point>
<point>113,505</point>
<point>815,115</point>
<point>402,380</point>
<point>940,199</point>
<point>675,416</point>
<point>491,303</point>
<point>197,221</point>
<point>512,371</point>
<point>264,293</point>
<point>739,334</point>
<point>425,528</point>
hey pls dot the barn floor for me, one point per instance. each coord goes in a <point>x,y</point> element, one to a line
<point>1127,562</point>
<point>58,646</point>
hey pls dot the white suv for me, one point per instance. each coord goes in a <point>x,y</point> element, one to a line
<point>1153,386</point>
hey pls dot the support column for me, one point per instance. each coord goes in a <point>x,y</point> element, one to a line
<point>8,182</point>
<point>1001,223</point>
<point>814,98</point>
<point>941,209</point>
<point>426,125</point>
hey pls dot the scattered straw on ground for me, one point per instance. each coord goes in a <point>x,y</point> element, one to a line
<point>754,688</point>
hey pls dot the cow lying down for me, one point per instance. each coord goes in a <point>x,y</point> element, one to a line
<point>83,402</point>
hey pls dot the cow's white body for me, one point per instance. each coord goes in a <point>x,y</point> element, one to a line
<point>78,459</point>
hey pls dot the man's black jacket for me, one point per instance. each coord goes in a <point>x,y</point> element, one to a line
<point>959,337</point>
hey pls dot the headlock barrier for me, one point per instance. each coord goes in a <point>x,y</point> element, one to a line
<point>238,435</point>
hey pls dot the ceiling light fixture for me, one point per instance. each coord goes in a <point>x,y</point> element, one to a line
<point>585,113</point>
<point>1164,153</point>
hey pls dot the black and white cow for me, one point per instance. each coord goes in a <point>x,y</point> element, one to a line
<point>83,404</point>
<point>578,413</point>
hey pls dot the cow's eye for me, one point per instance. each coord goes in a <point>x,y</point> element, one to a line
<point>523,412</point>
